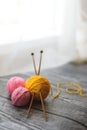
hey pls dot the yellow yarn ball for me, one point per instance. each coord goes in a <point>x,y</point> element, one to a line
<point>38,84</point>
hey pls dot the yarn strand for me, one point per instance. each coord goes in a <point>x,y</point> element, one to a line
<point>75,89</point>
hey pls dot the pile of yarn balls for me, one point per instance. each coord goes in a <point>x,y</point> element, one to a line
<point>20,96</point>
<point>21,91</point>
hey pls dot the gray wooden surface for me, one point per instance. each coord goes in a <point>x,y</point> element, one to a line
<point>68,112</point>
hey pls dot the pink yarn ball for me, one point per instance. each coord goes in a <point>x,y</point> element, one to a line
<point>20,96</point>
<point>14,83</point>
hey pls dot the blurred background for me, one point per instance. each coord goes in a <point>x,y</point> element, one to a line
<point>58,27</point>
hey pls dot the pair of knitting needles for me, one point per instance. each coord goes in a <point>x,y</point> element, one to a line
<point>37,73</point>
<point>32,54</point>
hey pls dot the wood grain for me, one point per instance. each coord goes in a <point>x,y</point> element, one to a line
<point>68,112</point>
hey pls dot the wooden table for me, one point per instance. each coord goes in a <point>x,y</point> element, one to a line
<point>67,112</point>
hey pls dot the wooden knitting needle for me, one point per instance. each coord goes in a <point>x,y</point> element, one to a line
<point>30,104</point>
<point>32,54</point>
<point>43,106</point>
<point>40,61</point>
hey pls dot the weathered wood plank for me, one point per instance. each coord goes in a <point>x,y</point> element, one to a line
<point>68,112</point>
<point>13,117</point>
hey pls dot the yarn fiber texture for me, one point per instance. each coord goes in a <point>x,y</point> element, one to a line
<point>20,96</point>
<point>38,84</point>
<point>14,83</point>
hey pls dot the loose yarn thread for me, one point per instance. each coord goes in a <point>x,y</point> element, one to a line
<point>76,89</point>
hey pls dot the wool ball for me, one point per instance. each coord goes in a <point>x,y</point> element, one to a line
<point>38,84</point>
<point>14,83</point>
<point>20,96</point>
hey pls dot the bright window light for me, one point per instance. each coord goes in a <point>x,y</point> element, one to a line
<point>24,20</point>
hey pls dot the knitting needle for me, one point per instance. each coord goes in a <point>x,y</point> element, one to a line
<point>40,61</point>
<point>30,104</point>
<point>32,54</point>
<point>43,106</point>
